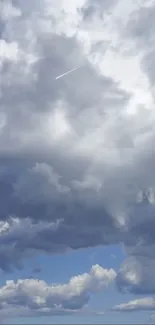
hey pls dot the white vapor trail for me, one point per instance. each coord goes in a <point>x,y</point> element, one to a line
<point>64,74</point>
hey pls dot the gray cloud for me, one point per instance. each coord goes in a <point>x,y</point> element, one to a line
<point>96,7</point>
<point>140,26</point>
<point>22,238</point>
<point>137,275</point>
<point>139,30</point>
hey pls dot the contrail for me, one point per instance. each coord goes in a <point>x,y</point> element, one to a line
<point>64,74</point>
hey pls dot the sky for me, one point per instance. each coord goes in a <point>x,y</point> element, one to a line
<point>77,157</point>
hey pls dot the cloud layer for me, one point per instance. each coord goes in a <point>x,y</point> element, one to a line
<point>76,153</point>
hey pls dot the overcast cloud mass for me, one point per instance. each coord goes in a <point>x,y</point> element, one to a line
<point>77,154</point>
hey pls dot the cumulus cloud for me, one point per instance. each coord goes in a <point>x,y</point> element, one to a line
<point>75,153</point>
<point>33,297</point>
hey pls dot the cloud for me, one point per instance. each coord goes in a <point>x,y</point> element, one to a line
<point>97,7</point>
<point>136,275</point>
<point>8,11</point>
<point>73,152</point>
<point>33,297</point>
<point>22,238</point>
<point>137,271</point>
<point>136,305</point>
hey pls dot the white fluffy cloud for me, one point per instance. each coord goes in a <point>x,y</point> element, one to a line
<point>32,297</point>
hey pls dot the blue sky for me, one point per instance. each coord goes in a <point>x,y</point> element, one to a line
<point>77,157</point>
